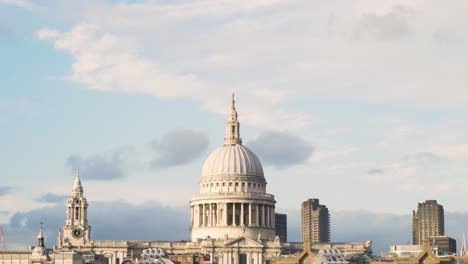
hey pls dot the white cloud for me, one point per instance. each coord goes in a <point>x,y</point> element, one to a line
<point>206,49</point>
<point>106,62</point>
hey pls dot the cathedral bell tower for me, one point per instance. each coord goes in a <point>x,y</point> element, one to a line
<point>76,231</point>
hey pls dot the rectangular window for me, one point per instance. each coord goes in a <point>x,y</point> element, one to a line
<point>243,184</point>
<point>237,184</point>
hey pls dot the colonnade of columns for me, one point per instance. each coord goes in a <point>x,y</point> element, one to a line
<point>242,258</point>
<point>232,214</point>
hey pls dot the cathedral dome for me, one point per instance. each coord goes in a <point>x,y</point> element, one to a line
<point>233,201</point>
<point>230,160</point>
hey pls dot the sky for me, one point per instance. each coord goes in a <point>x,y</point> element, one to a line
<point>361,103</point>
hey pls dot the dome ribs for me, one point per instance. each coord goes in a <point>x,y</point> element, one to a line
<point>233,161</point>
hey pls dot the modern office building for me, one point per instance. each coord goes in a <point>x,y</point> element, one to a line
<point>315,221</point>
<point>281,226</point>
<point>428,221</point>
<point>445,245</point>
<point>440,246</point>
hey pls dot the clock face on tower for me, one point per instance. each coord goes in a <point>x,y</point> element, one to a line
<point>77,232</point>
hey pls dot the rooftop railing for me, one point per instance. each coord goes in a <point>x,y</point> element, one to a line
<point>216,195</point>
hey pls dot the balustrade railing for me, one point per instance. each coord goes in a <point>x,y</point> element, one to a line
<point>233,195</point>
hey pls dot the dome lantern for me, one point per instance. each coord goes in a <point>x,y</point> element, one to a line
<point>232,126</point>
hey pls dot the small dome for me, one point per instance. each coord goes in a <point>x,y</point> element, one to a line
<point>232,160</point>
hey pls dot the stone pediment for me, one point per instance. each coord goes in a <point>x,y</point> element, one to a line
<point>243,242</point>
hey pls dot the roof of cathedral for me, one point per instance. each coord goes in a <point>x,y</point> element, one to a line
<point>232,158</point>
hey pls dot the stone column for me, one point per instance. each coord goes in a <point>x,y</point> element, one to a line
<point>210,216</point>
<point>217,214</point>
<point>261,257</point>
<point>200,215</point>
<point>191,216</point>
<point>273,216</point>
<point>203,215</point>
<point>82,215</point>
<point>242,214</point>
<point>269,215</point>
<point>263,215</point>
<point>196,215</point>
<point>233,214</point>
<point>86,215</point>
<point>257,218</point>
<point>225,214</point>
<point>68,216</point>
<point>250,214</point>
